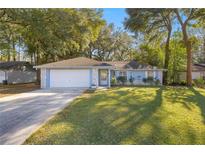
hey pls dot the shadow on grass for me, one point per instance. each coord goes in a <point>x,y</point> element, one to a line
<point>189,97</point>
<point>200,101</point>
<point>142,118</point>
<point>117,116</point>
<point>165,115</point>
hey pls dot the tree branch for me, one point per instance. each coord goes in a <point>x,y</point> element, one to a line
<point>178,16</point>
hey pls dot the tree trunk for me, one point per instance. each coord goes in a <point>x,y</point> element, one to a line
<point>38,75</point>
<point>14,50</point>
<point>91,53</point>
<point>31,57</point>
<point>187,44</point>
<point>189,64</point>
<point>8,56</point>
<point>167,56</point>
<point>189,56</point>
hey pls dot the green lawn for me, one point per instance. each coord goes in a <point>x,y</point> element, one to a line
<point>138,115</point>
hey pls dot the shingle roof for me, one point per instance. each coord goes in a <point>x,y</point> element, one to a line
<point>86,62</point>
<point>129,65</point>
<point>75,62</point>
<point>201,64</point>
<point>198,67</point>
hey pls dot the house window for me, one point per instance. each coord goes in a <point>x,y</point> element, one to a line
<point>103,74</point>
<point>122,73</point>
<point>139,77</point>
<point>112,73</point>
<point>150,74</point>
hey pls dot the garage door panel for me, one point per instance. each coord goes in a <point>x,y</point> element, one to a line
<point>69,78</point>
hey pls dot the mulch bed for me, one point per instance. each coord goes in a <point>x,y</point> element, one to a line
<point>6,90</point>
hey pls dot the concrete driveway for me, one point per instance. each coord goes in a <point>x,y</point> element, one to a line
<point>22,114</point>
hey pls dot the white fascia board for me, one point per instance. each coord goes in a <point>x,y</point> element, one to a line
<point>74,67</point>
<point>140,69</point>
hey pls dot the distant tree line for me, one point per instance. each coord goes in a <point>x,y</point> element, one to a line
<point>47,35</point>
<point>172,39</point>
<point>175,36</point>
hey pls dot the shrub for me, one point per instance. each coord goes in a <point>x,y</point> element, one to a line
<point>157,82</point>
<point>199,82</point>
<point>122,79</point>
<point>113,81</point>
<point>183,83</point>
<point>150,80</point>
<point>178,83</point>
<point>131,80</point>
<point>144,80</point>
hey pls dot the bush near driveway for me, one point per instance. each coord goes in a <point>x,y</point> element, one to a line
<point>129,115</point>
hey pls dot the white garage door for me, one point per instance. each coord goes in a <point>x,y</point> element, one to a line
<point>69,78</point>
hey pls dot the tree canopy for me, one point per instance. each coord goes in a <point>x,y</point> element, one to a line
<point>172,39</point>
<point>154,22</point>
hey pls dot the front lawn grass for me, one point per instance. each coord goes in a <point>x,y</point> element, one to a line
<point>135,115</point>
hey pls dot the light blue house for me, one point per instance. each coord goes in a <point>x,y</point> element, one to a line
<point>139,74</point>
<point>85,72</point>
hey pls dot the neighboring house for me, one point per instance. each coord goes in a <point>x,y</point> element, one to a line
<point>17,72</point>
<point>84,72</point>
<point>198,71</point>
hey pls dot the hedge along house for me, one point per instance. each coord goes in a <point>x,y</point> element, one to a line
<point>85,73</point>
<point>17,72</point>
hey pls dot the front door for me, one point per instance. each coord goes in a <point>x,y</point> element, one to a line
<point>103,77</point>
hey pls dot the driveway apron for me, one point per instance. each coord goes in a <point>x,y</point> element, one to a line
<point>23,114</point>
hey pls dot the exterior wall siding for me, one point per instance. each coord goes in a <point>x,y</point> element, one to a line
<point>195,75</point>
<point>47,78</point>
<point>109,77</point>
<point>91,77</point>
<point>2,76</point>
<point>138,76</point>
<point>95,76</point>
<point>160,76</point>
<point>43,78</point>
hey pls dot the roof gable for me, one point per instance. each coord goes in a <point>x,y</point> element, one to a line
<point>82,62</point>
<point>129,65</point>
<point>198,67</point>
<point>74,62</point>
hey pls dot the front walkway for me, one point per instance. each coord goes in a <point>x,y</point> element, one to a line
<point>22,114</point>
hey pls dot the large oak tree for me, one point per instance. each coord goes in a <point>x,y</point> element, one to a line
<point>187,18</point>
